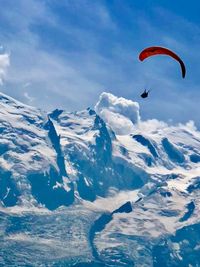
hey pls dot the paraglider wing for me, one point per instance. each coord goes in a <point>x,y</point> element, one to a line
<point>157,50</point>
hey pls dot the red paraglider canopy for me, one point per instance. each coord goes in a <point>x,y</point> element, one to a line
<point>157,50</point>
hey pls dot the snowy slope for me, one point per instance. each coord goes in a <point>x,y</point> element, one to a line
<point>77,169</point>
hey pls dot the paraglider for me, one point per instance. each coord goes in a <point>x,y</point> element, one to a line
<point>158,50</point>
<point>145,94</point>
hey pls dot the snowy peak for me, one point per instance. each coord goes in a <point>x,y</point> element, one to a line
<point>85,155</point>
<point>23,137</point>
<point>114,180</point>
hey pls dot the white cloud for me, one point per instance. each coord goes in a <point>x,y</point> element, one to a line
<point>28,97</point>
<point>152,125</point>
<point>59,77</point>
<point>120,113</point>
<point>4,63</point>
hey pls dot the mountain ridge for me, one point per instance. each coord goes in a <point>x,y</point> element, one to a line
<point>80,164</point>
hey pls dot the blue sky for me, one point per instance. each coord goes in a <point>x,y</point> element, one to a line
<point>63,54</point>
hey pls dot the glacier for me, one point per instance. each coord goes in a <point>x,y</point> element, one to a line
<point>98,187</point>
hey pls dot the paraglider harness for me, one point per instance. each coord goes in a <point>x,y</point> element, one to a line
<point>145,93</point>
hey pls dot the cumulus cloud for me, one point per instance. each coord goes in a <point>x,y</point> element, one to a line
<point>4,63</point>
<point>121,114</point>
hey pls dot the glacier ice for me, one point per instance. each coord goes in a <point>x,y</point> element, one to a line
<point>98,187</point>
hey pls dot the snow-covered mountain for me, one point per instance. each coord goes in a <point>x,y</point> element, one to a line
<point>99,187</point>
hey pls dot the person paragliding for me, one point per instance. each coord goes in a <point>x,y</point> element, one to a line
<point>145,93</point>
<point>158,50</point>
